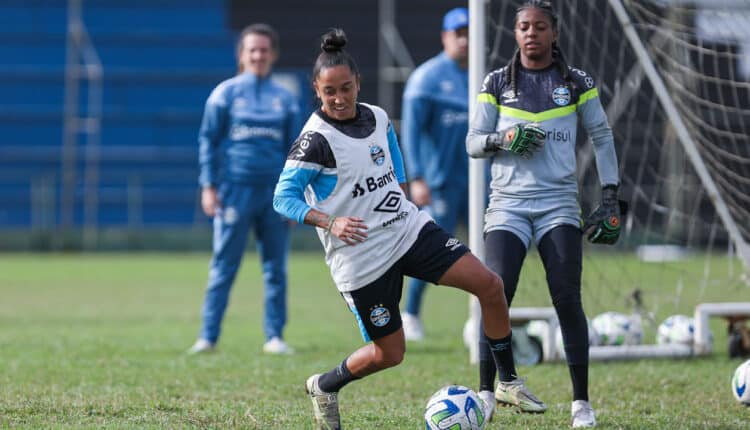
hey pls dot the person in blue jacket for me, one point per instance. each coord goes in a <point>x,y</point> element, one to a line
<point>433,130</point>
<point>248,125</point>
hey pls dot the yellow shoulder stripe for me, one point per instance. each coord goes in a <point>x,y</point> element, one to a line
<point>540,116</point>
<point>486,98</point>
<point>588,95</point>
<point>537,117</point>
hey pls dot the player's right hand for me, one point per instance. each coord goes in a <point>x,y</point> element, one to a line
<point>521,139</point>
<point>210,201</point>
<point>349,229</point>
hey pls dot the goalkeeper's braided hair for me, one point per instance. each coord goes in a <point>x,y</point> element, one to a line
<point>557,56</point>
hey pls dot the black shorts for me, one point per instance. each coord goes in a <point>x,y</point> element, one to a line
<point>376,305</point>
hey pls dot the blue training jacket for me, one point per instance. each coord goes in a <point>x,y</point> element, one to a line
<point>249,124</point>
<point>435,120</point>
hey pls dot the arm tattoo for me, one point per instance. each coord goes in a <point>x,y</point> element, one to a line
<point>316,218</point>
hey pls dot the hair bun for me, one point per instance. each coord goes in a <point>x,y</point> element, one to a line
<point>333,41</point>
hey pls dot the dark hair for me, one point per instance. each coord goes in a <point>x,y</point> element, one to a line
<point>261,29</point>
<point>557,56</point>
<point>333,54</point>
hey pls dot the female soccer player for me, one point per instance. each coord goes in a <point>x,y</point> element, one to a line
<point>248,125</point>
<point>345,175</point>
<point>526,119</point>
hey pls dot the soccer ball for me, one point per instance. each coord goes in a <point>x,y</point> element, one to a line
<point>615,328</point>
<point>740,382</point>
<point>538,329</point>
<point>454,407</point>
<point>676,329</point>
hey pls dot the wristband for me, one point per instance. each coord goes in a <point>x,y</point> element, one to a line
<point>331,218</point>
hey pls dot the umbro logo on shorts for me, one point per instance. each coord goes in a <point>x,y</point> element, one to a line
<point>453,244</point>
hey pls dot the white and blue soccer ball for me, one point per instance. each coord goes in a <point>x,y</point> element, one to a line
<point>740,382</point>
<point>614,328</point>
<point>454,407</point>
<point>676,329</point>
<point>538,329</point>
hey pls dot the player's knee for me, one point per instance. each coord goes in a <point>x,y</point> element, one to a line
<point>567,298</point>
<point>491,289</point>
<point>385,359</point>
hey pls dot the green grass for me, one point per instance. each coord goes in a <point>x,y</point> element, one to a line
<point>97,341</point>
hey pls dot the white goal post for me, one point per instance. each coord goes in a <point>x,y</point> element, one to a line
<point>702,343</point>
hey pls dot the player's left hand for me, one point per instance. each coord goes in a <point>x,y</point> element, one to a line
<point>419,192</point>
<point>603,225</point>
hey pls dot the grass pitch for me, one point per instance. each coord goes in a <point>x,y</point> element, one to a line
<point>98,341</point>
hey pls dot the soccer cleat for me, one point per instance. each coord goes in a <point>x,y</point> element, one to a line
<point>201,346</point>
<point>583,414</point>
<point>413,329</point>
<point>488,397</point>
<point>277,346</point>
<point>516,394</point>
<point>325,405</point>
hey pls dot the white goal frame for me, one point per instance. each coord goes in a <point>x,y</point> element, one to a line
<point>702,343</point>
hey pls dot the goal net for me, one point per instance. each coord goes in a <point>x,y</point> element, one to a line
<point>674,79</point>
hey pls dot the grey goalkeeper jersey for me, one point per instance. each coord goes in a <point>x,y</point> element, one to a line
<point>545,98</point>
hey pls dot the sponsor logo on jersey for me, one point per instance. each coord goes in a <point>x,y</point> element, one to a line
<point>239,103</point>
<point>380,316</point>
<point>358,191</point>
<point>578,71</point>
<point>561,96</point>
<point>377,154</point>
<point>304,143</point>
<point>559,135</point>
<point>453,244</point>
<point>589,81</point>
<point>486,82</point>
<point>399,217</point>
<point>244,132</point>
<point>373,183</point>
<point>509,97</point>
<point>446,86</point>
<point>451,117</point>
<point>390,203</point>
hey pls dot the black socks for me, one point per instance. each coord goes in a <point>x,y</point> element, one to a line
<point>335,379</point>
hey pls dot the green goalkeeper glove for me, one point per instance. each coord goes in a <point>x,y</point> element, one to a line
<point>521,139</point>
<point>603,225</point>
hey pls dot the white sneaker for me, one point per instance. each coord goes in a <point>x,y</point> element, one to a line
<point>325,405</point>
<point>413,329</point>
<point>277,346</point>
<point>201,346</point>
<point>516,393</point>
<point>583,414</point>
<point>488,397</point>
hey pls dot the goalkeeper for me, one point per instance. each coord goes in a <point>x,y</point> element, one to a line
<point>525,121</point>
